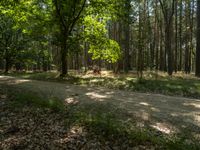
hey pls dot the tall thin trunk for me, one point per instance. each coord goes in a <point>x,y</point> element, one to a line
<point>176,38</point>
<point>198,41</point>
<point>127,38</point>
<point>180,35</point>
<point>168,47</point>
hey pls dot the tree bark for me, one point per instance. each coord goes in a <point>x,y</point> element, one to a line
<point>198,41</point>
<point>180,35</point>
<point>6,65</point>
<point>168,13</point>
<point>127,38</point>
<point>64,52</point>
<point>176,37</point>
<point>168,48</point>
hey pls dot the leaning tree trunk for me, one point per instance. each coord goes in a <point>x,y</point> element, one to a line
<point>198,41</point>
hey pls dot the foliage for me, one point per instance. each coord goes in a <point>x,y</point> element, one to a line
<point>101,47</point>
<point>25,37</point>
<point>12,39</point>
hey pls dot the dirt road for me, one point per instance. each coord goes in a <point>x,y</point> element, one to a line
<point>166,114</point>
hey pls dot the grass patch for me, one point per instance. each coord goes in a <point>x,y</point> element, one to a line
<point>33,100</point>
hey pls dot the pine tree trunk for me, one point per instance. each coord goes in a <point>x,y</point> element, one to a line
<point>176,38</point>
<point>168,48</point>
<point>127,37</point>
<point>198,41</point>
<point>180,36</point>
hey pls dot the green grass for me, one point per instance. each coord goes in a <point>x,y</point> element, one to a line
<point>31,99</point>
<point>177,86</point>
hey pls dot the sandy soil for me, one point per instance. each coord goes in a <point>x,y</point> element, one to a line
<point>166,114</point>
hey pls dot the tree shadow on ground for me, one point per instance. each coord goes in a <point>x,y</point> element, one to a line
<point>165,116</point>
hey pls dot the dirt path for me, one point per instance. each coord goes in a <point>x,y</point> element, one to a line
<point>166,114</point>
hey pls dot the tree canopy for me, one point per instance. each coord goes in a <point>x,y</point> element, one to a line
<point>119,34</point>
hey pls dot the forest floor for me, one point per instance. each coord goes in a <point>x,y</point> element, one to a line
<point>52,115</point>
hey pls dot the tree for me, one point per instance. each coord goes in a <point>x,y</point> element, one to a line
<point>127,36</point>
<point>198,41</point>
<point>96,35</point>
<point>11,41</point>
<point>68,12</point>
<point>168,12</point>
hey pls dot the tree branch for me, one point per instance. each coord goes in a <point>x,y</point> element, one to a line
<point>76,18</point>
<point>60,15</point>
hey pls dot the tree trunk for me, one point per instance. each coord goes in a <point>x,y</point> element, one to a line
<point>64,52</point>
<point>180,35</point>
<point>168,12</point>
<point>127,38</point>
<point>7,65</point>
<point>176,37</point>
<point>198,41</point>
<point>168,47</point>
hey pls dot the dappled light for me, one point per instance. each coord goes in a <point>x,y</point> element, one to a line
<point>73,133</point>
<point>20,81</point>
<point>155,109</point>
<point>100,74</point>
<point>162,128</point>
<point>11,80</point>
<point>97,96</point>
<point>70,100</point>
<point>144,115</point>
<point>197,119</point>
<point>144,104</point>
<point>196,105</point>
<point>146,110</point>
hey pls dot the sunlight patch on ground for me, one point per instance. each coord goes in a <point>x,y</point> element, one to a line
<point>3,77</point>
<point>96,96</point>
<point>70,100</point>
<point>196,105</point>
<point>109,93</point>
<point>21,81</point>
<point>174,114</point>
<point>73,133</point>
<point>144,104</point>
<point>192,117</point>
<point>143,115</point>
<point>162,128</point>
<point>197,119</point>
<point>155,109</point>
<point>12,80</point>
